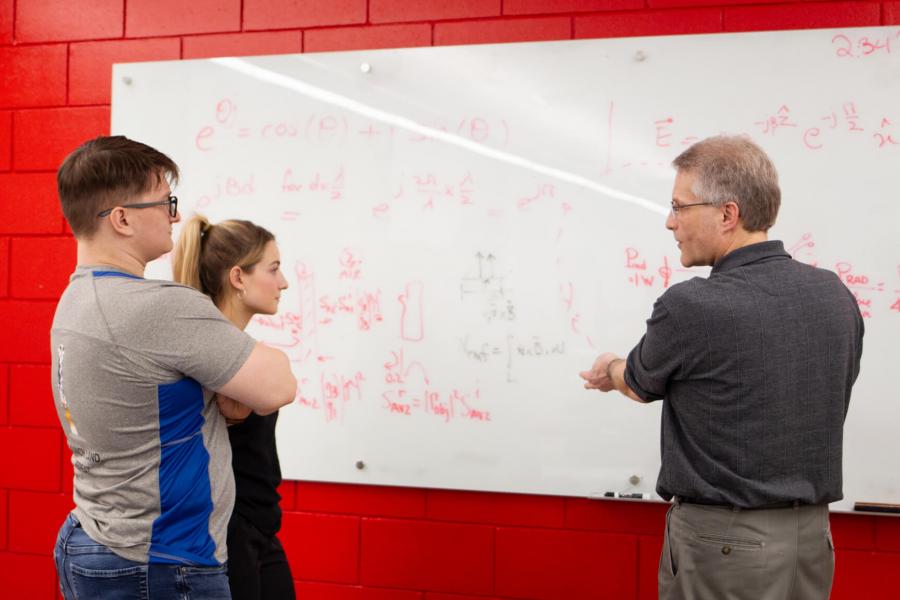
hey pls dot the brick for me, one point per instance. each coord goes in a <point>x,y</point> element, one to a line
<point>308,590</point>
<point>334,554</point>
<point>521,7</point>
<point>63,20</point>
<point>25,335</point>
<point>891,13</point>
<point>616,516</point>
<point>40,267</point>
<point>43,138</point>
<point>434,556</point>
<point>887,534</point>
<point>287,491</point>
<point>90,64</point>
<point>146,18</point>
<point>27,576</point>
<point>367,38</point>
<point>695,3</point>
<point>34,520</point>
<point>865,575</point>
<point>498,509</point>
<point>6,22</point>
<point>5,140</point>
<point>286,14</point>
<point>30,459</point>
<point>651,22</point>
<point>565,564</point>
<point>360,499</point>
<point>32,76</point>
<point>432,596</point>
<point>4,268</point>
<point>685,3</point>
<point>3,519</point>
<point>395,11</point>
<point>4,402</point>
<point>502,30</point>
<point>649,549</point>
<point>30,396</point>
<point>29,204</point>
<point>853,532</point>
<point>808,15</point>
<point>242,44</point>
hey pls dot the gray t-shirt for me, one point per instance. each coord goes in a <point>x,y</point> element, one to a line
<point>133,362</point>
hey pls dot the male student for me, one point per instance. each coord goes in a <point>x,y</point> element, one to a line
<point>755,365</point>
<point>134,365</point>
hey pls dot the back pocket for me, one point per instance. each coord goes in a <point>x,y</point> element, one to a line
<point>129,583</point>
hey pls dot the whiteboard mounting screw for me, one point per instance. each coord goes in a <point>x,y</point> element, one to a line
<point>634,479</point>
<point>127,80</point>
<point>365,68</point>
<point>360,465</point>
<point>640,56</point>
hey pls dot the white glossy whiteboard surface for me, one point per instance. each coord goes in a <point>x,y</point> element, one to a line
<point>464,229</point>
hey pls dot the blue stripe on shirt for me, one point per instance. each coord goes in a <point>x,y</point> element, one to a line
<point>98,274</point>
<point>181,532</point>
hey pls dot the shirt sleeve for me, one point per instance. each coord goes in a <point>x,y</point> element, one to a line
<point>187,334</point>
<point>656,358</point>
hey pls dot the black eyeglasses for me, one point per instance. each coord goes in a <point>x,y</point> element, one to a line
<point>172,201</point>
<point>677,207</point>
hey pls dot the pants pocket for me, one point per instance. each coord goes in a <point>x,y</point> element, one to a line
<point>206,583</point>
<point>128,583</point>
<point>729,541</point>
<point>668,556</point>
<point>722,552</point>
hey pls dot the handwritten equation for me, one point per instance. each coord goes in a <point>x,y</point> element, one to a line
<point>226,127</point>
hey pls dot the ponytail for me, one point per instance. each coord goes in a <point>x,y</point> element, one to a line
<point>186,256</point>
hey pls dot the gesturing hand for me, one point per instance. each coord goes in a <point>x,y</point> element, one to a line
<point>597,377</point>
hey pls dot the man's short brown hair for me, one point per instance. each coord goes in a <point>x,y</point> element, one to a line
<point>106,172</point>
<point>733,168</point>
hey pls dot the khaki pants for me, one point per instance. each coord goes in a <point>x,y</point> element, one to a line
<point>720,553</point>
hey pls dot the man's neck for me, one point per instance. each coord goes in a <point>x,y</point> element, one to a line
<point>739,240</point>
<point>94,254</point>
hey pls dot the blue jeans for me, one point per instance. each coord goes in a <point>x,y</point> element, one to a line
<point>91,571</point>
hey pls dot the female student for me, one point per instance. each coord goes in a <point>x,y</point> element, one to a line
<point>237,264</point>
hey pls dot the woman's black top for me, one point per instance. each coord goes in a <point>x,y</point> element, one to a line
<point>257,472</point>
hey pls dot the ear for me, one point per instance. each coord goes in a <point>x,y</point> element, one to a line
<point>731,216</point>
<point>236,278</point>
<point>118,219</point>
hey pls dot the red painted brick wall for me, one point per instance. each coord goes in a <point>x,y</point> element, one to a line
<point>344,542</point>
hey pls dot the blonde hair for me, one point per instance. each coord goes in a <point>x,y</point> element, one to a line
<point>205,253</point>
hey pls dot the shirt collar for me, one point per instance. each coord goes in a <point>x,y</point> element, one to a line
<point>101,271</point>
<point>750,254</point>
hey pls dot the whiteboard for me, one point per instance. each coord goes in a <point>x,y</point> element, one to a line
<point>464,229</point>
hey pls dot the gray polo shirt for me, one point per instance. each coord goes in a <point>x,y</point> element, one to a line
<point>133,360</point>
<point>755,364</point>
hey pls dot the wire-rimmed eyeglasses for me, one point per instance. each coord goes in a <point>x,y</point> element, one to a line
<point>676,208</point>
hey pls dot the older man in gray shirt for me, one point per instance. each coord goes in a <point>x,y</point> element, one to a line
<point>755,365</point>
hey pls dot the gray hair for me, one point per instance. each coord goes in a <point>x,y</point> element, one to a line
<point>733,168</point>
